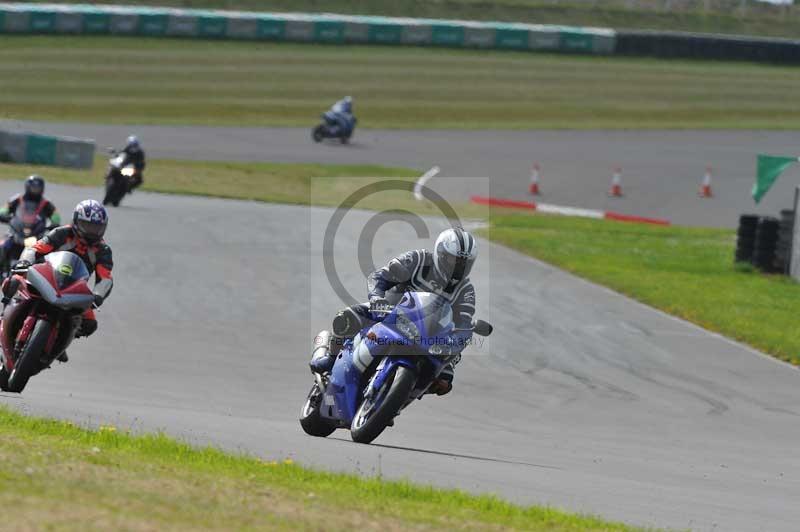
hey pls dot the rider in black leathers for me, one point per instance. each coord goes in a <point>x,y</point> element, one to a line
<point>33,198</point>
<point>134,154</point>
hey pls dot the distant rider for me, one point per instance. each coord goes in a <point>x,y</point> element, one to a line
<point>84,238</point>
<point>34,201</point>
<point>134,154</point>
<point>445,271</point>
<point>341,116</point>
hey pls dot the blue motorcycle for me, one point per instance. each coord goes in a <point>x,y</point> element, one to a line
<point>384,368</point>
<point>335,126</point>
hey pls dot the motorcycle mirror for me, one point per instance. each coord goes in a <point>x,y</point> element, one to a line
<point>398,272</point>
<point>482,328</point>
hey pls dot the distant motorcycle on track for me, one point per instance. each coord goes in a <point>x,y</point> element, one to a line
<point>334,126</point>
<point>384,368</point>
<point>120,178</point>
<point>40,321</point>
<point>26,227</point>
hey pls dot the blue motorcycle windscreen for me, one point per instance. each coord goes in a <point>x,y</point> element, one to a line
<point>433,312</point>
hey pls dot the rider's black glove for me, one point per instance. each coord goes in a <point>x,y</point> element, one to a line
<point>379,306</point>
<point>98,300</point>
<point>22,265</point>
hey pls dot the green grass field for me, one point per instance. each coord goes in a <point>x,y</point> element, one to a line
<point>151,81</point>
<point>56,476</point>
<point>688,272</point>
<point>758,19</point>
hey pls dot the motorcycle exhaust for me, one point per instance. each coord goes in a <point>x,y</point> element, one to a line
<point>322,345</point>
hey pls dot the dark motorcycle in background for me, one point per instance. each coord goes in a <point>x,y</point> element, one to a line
<point>26,227</point>
<point>120,178</point>
<point>334,126</point>
<point>41,320</point>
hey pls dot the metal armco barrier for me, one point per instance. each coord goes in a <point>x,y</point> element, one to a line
<point>30,148</point>
<point>794,250</point>
<point>707,46</point>
<point>21,18</point>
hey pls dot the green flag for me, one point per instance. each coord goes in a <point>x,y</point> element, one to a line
<point>768,170</point>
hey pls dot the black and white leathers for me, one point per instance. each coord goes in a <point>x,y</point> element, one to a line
<point>424,278</point>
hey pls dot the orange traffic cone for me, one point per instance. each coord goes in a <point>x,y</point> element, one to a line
<point>705,186</point>
<point>616,184</point>
<point>534,188</point>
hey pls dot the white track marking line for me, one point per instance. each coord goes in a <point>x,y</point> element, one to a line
<point>569,211</point>
<point>422,180</point>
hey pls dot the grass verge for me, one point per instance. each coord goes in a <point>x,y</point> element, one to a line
<point>169,81</point>
<point>271,182</point>
<point>56,476</point>
<point>719,17</point>
<point>688,272</point>
<point>292,183</point>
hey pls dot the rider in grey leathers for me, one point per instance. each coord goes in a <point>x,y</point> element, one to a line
<point>444,271</point>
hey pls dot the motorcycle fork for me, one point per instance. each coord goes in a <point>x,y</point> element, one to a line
<point>51,340</point>
<point>27,328</point>
<point>25,331</point>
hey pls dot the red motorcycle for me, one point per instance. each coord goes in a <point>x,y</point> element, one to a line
<point>40,321</point>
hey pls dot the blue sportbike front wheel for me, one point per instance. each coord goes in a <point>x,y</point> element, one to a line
<point>377,411</point>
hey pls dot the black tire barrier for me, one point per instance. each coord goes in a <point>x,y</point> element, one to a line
<point>765,244</point>
<point>746,238</point>
<point>707,46</point>
<point>783,249</point>
<point>748,222</point>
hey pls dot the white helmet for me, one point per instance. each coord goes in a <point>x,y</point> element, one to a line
<point>454,254</point>
<point>132,143</point>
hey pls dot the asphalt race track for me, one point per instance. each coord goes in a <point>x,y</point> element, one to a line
<point>581,399</point>
<point>662,170</point>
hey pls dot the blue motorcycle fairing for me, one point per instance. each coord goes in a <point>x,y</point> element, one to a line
<point>386,366</point>
<point>346,385</point>
<point>341,398</point>
<point>339,124</point>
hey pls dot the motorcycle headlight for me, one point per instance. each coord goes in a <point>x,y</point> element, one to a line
<point>440,350</point>
<point>406,327</point>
